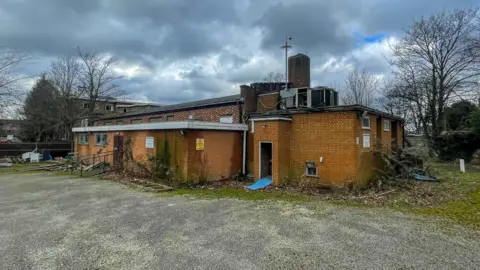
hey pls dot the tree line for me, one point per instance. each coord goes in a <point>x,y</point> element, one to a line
<point>56,101</point>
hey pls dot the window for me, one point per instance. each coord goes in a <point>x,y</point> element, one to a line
<point>108,107</point>
<point>125,110</point>
<point>386,125</point>
<point>170,117</point>
<point>86,105</point>
<point>119,122</point>
<point>101,139</point>
<point>107,124</point>
<point>228,118</point>
<point>96,107</point>
<point>136,121</point>
<point>311,169</point>
<point>155,119</point>
<point>366,122</point>
<point>83,138</point>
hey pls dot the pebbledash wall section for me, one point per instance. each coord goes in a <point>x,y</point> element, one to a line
<point>333,140</point>
<point>221,156</point>
<point>208,114</point>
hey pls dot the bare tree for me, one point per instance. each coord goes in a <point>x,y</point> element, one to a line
<point>65,75</point>
<point>360,87</point>
<point>274,77</point>
<point>9,80</point>
<point>436,60</point>
<point>97,78</point>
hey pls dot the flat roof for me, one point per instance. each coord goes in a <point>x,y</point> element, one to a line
<point>337,108</point>
<point>166,125</point>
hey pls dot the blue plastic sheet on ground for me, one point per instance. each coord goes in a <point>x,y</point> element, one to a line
<point>266,181</point>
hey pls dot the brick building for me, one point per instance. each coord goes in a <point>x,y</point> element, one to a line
<point>293,135</point>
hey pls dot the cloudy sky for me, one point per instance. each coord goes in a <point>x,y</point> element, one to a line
<point>179,50</point>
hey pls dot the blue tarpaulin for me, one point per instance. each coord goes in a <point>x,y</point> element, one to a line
<point>266,181</point>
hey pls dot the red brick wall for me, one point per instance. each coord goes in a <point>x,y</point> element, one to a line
<point>268,102</point>
<point>308,137</point>
<point>210,114</point>
<point>221,157</point>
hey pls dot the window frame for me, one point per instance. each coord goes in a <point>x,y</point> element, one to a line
<point>369,122</point>
<point>102,142</point>
<point>111,107</point>
<point>389,124</point>
<point>311,165</point>
<point>83,138</point>
<point>86,105</point>
<point>155,119</point>
<point>226,115</point>
<point>170,117</point>
<point>141,121</point>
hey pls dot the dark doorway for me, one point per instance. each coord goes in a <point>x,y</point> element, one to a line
<point>118,152</point>
<point>265,159</point>
<point>393,129</point>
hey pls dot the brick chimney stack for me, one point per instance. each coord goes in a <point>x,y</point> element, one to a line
<point>299,70</point>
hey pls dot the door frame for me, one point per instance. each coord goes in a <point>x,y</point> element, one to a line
<point>118,153</point>
<point>260,158</point>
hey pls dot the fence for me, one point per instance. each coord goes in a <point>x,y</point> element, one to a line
<point>17,149</point>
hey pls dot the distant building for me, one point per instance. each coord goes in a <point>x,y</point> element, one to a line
<point>11,127</point>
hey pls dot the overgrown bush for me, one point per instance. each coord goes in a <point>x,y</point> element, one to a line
<point>459,144</point>
<point>397,169</point>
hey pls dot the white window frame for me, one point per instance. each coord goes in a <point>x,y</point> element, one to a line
<point>103,139</point>
<point>83,138</point>
<point>141,121</point>
<point>369,123</point>
<point>111,107</point>
<point>227,118</point>
<point>307,167</point>
<point>155,119</point>
<point>388,125</point>
<point>86,105</point>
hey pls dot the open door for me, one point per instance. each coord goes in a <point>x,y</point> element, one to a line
<point>265,158</point>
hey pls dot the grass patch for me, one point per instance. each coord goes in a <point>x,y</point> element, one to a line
<point>241,194</point>
<point>464,208</point>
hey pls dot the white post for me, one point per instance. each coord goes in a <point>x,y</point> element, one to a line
<point>462,165</point>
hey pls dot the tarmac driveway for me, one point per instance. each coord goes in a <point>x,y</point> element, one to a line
<point>57,222</point>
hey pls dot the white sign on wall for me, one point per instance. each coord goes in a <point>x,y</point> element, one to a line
<point>9,137</point>
<point>149,142</point>
<point>366,140</point>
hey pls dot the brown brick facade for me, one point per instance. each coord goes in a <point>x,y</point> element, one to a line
<point>332,140</point>
<point>221,157</point>
<point>268,102</point>
<point>210,114</point>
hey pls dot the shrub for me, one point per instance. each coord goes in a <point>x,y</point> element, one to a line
<point>455,145</point>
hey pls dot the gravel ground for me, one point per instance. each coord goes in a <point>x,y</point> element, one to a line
<point>57,222</point>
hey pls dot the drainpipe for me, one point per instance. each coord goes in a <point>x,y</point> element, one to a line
<point>244,157</point>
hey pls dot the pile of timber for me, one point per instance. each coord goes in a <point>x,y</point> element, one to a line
<point>65,166</point>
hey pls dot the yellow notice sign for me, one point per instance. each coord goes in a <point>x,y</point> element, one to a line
<point>200,144</point>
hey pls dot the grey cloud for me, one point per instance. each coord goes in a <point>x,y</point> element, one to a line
<point>159,33</point>
<point>314,26</point>
<point>391,16</point>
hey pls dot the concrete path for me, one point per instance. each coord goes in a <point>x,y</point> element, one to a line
<point>55,222</point>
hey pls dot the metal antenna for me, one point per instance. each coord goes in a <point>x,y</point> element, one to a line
<point>286,47</point>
